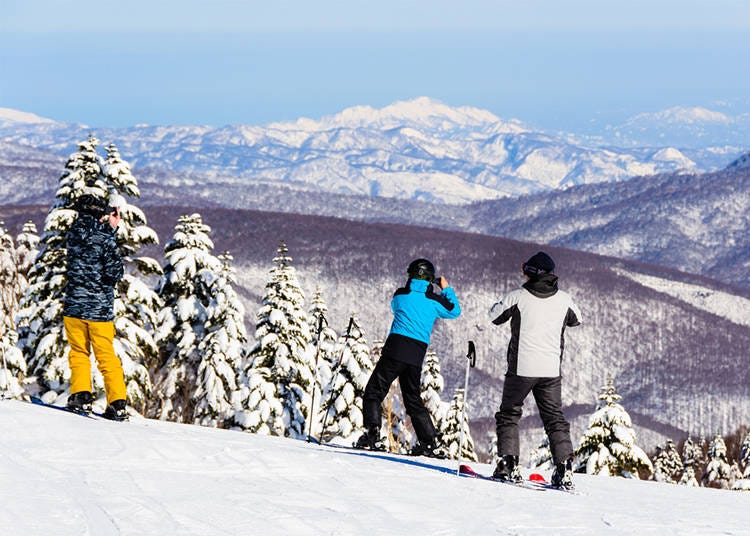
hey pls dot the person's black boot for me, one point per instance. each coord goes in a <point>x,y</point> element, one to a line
<point>370,440</point>
<point>116,411</point>
<point>507,469</point>
<point>562,476</point>
<point>431,449</point>
<point>80,402</point>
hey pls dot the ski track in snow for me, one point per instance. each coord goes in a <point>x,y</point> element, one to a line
<point>64,475</point>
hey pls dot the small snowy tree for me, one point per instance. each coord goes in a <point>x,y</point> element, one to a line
<point>540,458</point>
<point>690,453</point>
<point>608,446</point>
<point>182,322</point>
<point>718,472</point>
<point>221,350</point>
<point>12,364</point>
<point>431,386</point>
<point>27,248</point>
<point>280,358</point>
<point>667,464</point>
<point>456,419</point>
<point>342,406</point>
<point>399,434</point>
<point>322,348</point>
<point>744,482</point>
<point>42,338</point>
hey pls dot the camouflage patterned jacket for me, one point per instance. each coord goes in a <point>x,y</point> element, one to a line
<point>94,267</point>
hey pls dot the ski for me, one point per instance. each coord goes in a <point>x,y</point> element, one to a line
<point>92,415</point>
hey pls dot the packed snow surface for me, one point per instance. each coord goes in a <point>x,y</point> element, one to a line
<point>68,475</point>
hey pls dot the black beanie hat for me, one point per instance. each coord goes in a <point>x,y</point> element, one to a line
<point>90,204</point>
<point>539,264</point>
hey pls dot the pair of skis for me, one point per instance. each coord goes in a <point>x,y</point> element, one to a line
<point>91,415</point>
<point>535,482</point>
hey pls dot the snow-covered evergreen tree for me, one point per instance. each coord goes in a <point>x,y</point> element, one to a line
<point>431,386</point>
<point>27,248</point>
<point>42,337</point>
<point>182,322</point>
<point>455,420</point>
<point>280,358</point>
<point>690,453</point>
<point>12,364</point>
<point>342,406</point>
<point>398,432</point>
<point>323,350</point>
<point>221,349</point>
<point>744,461</point>
<point>667,463</point>
<point>608,446</point>
<point>137,305</point>
<point>718,472</point>
<point>540,458</point>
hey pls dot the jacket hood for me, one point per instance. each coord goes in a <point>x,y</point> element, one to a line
<point>542,286</point>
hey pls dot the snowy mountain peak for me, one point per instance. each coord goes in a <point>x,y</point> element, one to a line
<point>8,115</point>
<point>678,114</point>
<point>422,112</point>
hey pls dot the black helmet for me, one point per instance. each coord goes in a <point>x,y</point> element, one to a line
<point>421,269</point>
<point>90,204</point>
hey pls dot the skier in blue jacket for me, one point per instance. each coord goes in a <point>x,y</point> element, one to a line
<point>415,307</point>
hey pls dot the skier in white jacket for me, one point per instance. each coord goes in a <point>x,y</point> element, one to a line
<point>539,313</point>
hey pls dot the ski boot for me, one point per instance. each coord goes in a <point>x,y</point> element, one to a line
<point>562,476</point>
<point>80,402</point>
<point>507,469</point>
<point>370,440</point>
<point>431,449</point>
<point>116,411</point>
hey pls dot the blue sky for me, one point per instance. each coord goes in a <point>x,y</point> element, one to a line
<point>555,64</point>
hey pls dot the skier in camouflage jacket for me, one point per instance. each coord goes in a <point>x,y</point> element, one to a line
<point>94,267</point>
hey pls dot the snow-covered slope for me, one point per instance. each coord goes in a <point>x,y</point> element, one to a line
<point>419,149</point>
<point>68,475</point>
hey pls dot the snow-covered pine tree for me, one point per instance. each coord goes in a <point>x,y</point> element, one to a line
<point>431,386</point>
<point>182,321</point>
<point>718,472</point>
<point>744,482</point>
<point>455,420</point>
<point>12,364</point>
<point>27,248</point>
<point>540,459</point>
<point>221,349</point>
<point>42,337</point>
<point>667,463</point>
<point>342,398</point>
<point>690,453</point>
<point>323,349</point>
<point>280,358</point>
<point>137,305</point>
<point>608,446</point>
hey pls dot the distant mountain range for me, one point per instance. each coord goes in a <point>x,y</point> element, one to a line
<point>416,150</point>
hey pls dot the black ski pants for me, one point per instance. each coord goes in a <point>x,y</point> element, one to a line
<point>548,395</point>
<point>409,377</point>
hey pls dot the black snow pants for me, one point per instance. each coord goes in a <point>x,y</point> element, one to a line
<point>409,377</point>
<point>548,395</point>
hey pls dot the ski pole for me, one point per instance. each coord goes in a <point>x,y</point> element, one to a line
<point>333,380</point>
<point>312,402</point>
<point>471,355</point>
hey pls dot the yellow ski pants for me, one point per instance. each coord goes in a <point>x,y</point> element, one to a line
<point>83,335</point>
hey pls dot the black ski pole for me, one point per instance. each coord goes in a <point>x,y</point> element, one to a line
<point>333,380</point>
<point>312,402</point>
<point>471,355</point>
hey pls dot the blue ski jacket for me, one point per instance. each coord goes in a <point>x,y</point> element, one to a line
<point>416,307</point>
